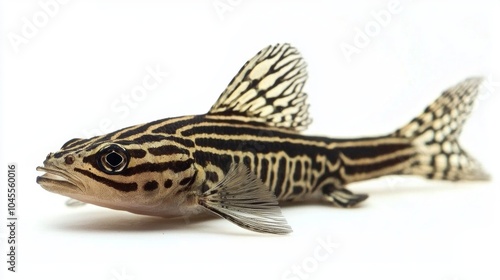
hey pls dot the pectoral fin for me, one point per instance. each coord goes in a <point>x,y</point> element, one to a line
<point>244,200</point>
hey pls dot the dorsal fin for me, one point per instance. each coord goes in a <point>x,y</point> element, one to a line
<point>268,89</point>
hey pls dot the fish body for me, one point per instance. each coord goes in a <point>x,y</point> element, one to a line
<point>247,153</point>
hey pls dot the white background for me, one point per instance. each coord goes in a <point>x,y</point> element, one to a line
<point>66,79</point>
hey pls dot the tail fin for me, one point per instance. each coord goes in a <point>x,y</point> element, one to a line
<point>435,135</point>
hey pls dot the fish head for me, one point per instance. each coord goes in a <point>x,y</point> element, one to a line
<point>119,174</point>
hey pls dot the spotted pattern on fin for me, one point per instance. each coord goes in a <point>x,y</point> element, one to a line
<point>435,135</point>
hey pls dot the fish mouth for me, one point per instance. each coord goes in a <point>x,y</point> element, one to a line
<point>57,181</point>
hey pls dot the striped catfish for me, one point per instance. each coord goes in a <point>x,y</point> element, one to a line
<point>247,153</point>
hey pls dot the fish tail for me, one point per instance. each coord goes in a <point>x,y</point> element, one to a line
<point>435,134</point>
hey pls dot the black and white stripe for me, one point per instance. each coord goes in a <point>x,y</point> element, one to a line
<point>256,122</point>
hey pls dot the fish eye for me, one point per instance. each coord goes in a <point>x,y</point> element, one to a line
<point>112,159</point>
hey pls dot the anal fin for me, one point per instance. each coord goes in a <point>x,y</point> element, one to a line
<point>343,197</point>
<point>244,200</point>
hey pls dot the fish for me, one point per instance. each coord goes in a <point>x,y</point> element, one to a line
<point>248,154</point>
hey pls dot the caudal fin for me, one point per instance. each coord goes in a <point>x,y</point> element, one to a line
<point>435,135</point>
